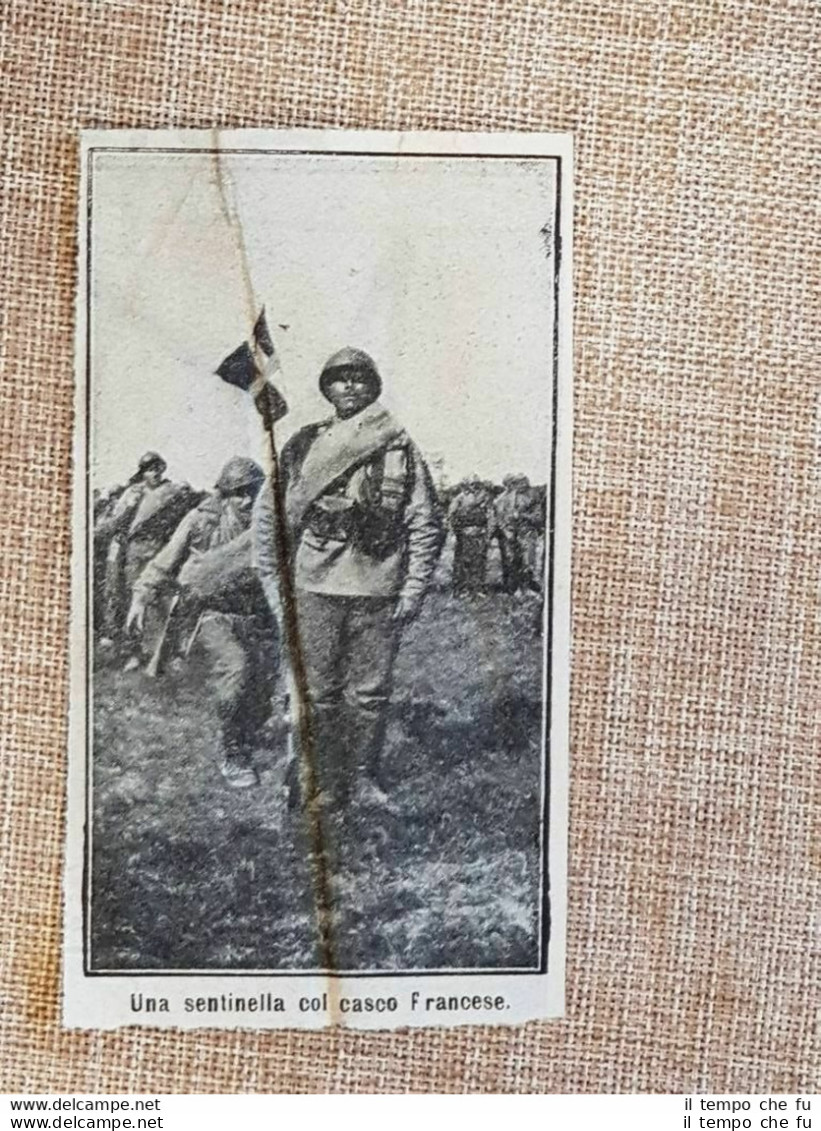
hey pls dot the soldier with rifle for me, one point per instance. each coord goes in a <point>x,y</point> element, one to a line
<point>219,610</point>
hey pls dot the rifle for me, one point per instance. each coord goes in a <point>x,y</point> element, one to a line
<point>180,611</point>
<point>156,664</point>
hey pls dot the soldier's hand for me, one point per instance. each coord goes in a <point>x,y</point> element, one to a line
<point>136,616</point>
<point>407,609</point>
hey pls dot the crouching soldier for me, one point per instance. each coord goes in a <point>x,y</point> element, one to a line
<point>220,611</point>
<point>364,531</point>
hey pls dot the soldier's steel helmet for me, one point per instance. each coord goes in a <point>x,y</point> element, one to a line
<point>151,459</point>
<point>238,473</point>
<point>350,358</point>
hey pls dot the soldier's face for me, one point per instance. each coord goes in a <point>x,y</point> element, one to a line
<point>152,476</point>
<point>243,500</point>
<point>350,391</point>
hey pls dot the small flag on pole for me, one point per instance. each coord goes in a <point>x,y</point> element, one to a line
<point>251,368</point>
<point>263,340</point>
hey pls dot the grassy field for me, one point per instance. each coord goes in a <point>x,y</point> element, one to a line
<point>187,873</point>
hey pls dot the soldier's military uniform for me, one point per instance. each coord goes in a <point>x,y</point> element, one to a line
<point>226,618</point>
<point>519,523</point>
<point>469,519</point>
<point>365,532</point>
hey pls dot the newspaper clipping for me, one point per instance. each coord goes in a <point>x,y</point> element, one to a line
<point>320,621</point>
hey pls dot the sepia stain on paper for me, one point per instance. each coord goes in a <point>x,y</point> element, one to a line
<point>318,752</point>
<point>309,800</point>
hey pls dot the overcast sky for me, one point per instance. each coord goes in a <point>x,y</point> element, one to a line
<point>435,266</point>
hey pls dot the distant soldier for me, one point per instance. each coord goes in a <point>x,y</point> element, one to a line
<point>469,519</point>
<point>221,611</point>
<point>135,527</point>
<point>518,523</point>
<point>103,504</point>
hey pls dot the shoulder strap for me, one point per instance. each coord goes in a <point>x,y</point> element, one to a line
<point>395,477</point>
<point>335,451</point>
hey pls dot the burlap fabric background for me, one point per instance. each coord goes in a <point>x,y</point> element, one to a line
<point>695,722</point>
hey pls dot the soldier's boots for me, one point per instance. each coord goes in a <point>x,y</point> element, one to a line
<point>238,776</point>
<point>366,732</point>
<point>345,756</point>
<point>330,759</point>
<point>237,768</point>
<point>318,774</point>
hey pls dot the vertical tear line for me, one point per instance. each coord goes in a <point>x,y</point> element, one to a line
<point>318,865</point>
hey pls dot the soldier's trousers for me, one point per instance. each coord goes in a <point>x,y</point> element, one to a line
<point>469,559</point>
<point>241,655</point>
<point>348,647</point>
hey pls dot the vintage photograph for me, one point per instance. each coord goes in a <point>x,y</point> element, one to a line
<point>319,670</point>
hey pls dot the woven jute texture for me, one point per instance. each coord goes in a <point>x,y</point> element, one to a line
<point>693,957</point>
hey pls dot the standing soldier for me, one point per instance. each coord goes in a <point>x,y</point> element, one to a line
<point>518,520</point>
<point>469,519</point>
<point>135,527</point>
<point>364,535</point>
<point>221,604</point>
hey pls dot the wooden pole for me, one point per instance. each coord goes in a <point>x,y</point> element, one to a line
<point>301,723</point>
